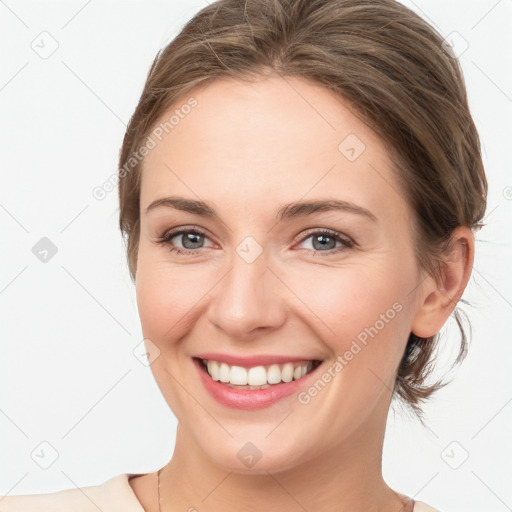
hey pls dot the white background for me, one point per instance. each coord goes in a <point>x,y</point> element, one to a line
<point>68,375</point>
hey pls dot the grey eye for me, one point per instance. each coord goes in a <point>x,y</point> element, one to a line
<point>322,242</point>
<point>190,240</point>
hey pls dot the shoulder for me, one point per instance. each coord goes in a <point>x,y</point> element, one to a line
<point>113,495</point>
<point>419,506</point>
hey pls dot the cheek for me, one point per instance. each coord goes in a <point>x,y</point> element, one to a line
<point>363,311</point>
<point>353,297</point>
<point>161,296</point>
<point>169,297</point>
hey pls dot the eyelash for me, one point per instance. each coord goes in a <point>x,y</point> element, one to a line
<point>347,242</point>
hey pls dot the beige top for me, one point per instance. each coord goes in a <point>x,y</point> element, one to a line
<point>114,495</point>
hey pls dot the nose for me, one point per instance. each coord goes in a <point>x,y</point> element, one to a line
<point>248,300</point>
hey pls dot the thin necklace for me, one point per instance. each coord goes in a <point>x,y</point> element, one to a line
<point>160,507</point>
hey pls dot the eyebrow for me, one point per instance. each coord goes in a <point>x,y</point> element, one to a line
<point>287,211</point>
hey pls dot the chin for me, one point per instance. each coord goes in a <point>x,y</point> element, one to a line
<point>255,458</point>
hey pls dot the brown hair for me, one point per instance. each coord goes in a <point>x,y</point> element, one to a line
<point>393,69</point>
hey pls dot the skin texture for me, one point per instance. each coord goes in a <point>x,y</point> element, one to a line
<point>246,149</point>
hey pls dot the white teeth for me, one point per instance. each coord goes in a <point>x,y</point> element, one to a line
<point>274,374</point>
<point>258,377</point>
<point>238,375</point>
<point>287,372</point>
<point>224,372</point>
<point>213,369</point>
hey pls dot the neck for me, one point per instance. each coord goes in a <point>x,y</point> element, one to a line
<point>348,477</point>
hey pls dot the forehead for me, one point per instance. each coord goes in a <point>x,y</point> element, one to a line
<point>276,139</point>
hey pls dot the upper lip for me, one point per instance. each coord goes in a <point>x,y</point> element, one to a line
<point>252,361</point>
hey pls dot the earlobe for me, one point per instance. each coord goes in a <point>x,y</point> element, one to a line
<point>439,295</point>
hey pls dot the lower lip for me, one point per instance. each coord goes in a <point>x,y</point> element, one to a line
<point>250,399</point>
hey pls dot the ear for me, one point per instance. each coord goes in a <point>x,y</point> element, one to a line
<point>438,297</point>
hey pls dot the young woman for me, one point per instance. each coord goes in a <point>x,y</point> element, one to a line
<point>299,187</point>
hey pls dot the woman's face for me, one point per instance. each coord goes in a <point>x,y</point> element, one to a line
<point>259,284</point>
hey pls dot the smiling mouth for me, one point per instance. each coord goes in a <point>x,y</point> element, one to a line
<point>257,377</point>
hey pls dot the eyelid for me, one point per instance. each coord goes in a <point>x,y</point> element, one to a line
<point>171,233</point>
<point>346,241</point>
<point>179,229</point>
<point>330,232</point>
